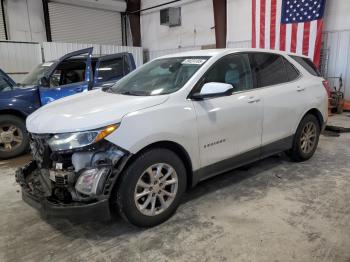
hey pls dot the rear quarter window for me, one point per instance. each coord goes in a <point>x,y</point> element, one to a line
<point>307,64</point>
<point>292,72</point>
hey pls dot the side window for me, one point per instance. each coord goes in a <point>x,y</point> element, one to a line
<point>73,75</point>
<point>269,69</point>
<point>307,64</point>
<point>292,72</point>
<point>68,72</point>
<point>232,69</point>
<point>4,86</point>
<point>111,69</point>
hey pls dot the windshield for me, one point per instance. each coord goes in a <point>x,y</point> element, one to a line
<point>161,76</point>
<point>33,77</point>
<point>4,85</point>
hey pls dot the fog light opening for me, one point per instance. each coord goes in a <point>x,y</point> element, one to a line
<point>90,181</point>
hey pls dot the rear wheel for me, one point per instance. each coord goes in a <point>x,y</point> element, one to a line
<point>14,139</point>
<point>305,139</point>
<point>151,188</point>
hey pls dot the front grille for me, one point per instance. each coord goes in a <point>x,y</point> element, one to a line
<point>40,150</point>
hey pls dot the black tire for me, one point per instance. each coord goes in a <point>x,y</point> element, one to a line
<point>122,197</point>
<point>296,153</point>
<point>24,145</point>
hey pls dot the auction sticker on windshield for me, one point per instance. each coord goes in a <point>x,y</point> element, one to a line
<point>193,61</point>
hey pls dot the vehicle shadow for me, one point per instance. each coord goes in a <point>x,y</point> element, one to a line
<point>244,182</point>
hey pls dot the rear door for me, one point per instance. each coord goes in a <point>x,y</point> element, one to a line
<point>111,68</point>
<point>283,97</point>
<point>65,80</point>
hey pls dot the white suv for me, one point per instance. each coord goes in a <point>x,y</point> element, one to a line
<point>135,148</point>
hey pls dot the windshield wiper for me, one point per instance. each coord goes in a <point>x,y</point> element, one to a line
<point>106,89</point>
<point>129,93</point>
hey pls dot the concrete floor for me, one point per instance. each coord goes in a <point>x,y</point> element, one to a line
<point>275,211</point>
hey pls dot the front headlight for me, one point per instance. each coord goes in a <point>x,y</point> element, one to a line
<point>69,141</point>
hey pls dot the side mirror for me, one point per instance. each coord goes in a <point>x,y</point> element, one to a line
<point>44,81</point>
<point>213,89</point>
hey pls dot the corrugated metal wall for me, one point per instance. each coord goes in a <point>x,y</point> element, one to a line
<point>336,45</point>
<point>53,50</point>
<point>17,58</point>
<point>157,53</point>
<point>136,51</point>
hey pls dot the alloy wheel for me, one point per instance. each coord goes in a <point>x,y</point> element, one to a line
<point>156,189</point>
<point>11,137</point>
<point>308,138</point>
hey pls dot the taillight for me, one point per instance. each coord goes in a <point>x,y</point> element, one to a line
<point>327,87</point>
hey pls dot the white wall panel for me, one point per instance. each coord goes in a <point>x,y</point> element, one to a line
<point>136,51</point>
<point>239,44</point>
<point>17,59</point>
<point>197,25</point>
<point>25,20</point>
<point>239,20</point>
<point>336,15</point>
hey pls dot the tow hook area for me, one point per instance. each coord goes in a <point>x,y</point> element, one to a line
<point>86,175</point>
<point>72,180</point>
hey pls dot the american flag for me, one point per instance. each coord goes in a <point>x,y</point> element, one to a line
<point>289,25</point>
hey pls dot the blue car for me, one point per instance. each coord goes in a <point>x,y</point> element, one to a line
<point>73,73</point>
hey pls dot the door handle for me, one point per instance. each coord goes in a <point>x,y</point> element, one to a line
<point>252,100</point>
<point>300,89</point>
<point>79,89</point>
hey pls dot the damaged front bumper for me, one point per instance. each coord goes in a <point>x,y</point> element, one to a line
<point>50,185</point>
<point>49,207</point>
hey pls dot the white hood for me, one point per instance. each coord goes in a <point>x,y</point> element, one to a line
<point>87,111</point>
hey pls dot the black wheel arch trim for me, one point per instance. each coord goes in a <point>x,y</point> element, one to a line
<point>13,112</point>
<point>179,150</point>
<point>318,115</point>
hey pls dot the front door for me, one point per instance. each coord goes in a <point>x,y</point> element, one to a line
<point>230,126</point>
<point>69,76</point>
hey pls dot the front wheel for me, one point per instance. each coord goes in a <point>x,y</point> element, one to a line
<point>305,139</point>
<point>14,139</point>
<point>151,188</point>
